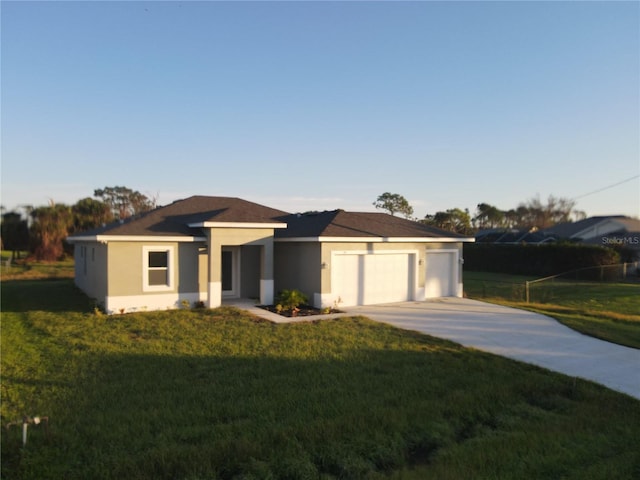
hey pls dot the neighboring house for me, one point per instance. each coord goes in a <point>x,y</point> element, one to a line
<point>594,227</point>
<point>512,236</point>
<point>206,249</point>
<point>608,231</point>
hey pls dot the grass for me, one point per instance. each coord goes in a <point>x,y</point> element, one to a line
<point>609,311</point>
<point>218,394</point>
<point>27,269</point>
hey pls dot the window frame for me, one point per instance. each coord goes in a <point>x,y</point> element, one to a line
<point>169,286</point>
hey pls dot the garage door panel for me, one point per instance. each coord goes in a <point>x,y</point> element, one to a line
<point>363,279</point>
<point>439,276</point>
<point>345,277</point>
<point>386,278</point>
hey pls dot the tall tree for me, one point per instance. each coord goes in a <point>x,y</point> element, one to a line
<point>124,202</point>
<point>453,220</point>
<point>488,216</point>
<point>49,229</point>
<point>394,203</point>
<point>534,213</point>
<point>89,213</point>
<point>15,233</point>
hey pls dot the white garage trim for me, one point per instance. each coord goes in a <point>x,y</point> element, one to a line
<point>442,277</point>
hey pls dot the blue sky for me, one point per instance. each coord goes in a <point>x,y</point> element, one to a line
<point>313,106</point>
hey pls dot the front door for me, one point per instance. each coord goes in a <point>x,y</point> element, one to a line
<point>230,271</point>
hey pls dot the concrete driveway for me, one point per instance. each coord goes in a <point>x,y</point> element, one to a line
<point>517,334</point>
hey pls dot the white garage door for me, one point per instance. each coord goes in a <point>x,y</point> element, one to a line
<point>441,274</point>
<point>366,279</point>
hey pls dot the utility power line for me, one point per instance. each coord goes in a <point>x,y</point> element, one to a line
<point>607,187</point>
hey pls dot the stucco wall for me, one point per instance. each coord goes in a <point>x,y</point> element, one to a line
<point>250,271</point>
<point>225,237</point>
<point>125,288</point>
<point>90,267</point>
<point>125,264</point>
<point>298,265</point>
<point>307,266</point>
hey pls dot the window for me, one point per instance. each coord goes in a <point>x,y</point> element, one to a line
<point>158,274</point>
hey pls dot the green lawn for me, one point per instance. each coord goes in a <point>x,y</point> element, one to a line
<point>609,311</point>
<point>217,394</point>
<point>22,269</point>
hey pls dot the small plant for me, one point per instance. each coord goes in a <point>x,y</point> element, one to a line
<point>185,304</point>
<point>199,304</point>
<point>290,300</point>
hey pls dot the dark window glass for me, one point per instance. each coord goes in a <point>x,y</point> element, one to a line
<point>158,259</point>
<point>227,271</point>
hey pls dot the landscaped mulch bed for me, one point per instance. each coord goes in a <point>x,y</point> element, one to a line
<point>303,311</point>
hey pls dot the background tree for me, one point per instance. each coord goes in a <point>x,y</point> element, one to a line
<point>90,213</point>
<point>50,227</point>
<point>15,233</point>
<point>534,213</point>
<point>453,220</point>
<point>394,203</point>
<point>488,216</point>
<point>124,202</point>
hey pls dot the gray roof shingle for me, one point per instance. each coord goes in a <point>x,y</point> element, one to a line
<point>174,219</point>
<point>338,223</point>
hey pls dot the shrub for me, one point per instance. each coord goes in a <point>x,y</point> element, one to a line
<point>541,260</point>
<point>290,300</point>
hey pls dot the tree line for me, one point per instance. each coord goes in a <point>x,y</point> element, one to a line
<point>44,229</point>
<point>531,214</point>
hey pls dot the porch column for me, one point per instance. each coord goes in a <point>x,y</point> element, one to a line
<point>214,286</point>
<point>266,272</point>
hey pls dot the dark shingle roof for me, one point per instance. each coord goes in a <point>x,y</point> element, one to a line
<point>174,219</point>
<point>568,229</point>
<point>338,223</point>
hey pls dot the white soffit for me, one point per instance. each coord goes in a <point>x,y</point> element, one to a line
<point>134,238</point>
<point>378,239</point>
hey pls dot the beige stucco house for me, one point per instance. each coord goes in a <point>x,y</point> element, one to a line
<point>207,249</point>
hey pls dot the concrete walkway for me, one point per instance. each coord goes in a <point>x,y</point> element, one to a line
<point>513,333</point>
<point>518,334</point>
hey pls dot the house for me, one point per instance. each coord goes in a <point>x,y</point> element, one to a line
<point>207,249</point>
<point>608,231</point>
<point>512,236</point>
<point>595,227</point>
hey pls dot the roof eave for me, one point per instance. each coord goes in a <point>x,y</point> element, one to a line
<point>377,239</point>
<point>134,238</point>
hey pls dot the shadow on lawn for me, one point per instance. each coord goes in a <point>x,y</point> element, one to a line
<point>53,295</point>
<point>164,417</point>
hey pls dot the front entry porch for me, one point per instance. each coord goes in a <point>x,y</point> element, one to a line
<point>239,265</point>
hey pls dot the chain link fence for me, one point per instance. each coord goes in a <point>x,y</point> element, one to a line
<point>546,289</point>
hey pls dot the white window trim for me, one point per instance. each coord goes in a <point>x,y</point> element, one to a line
<point>145,269</point>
